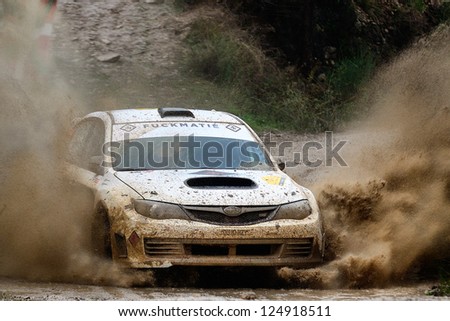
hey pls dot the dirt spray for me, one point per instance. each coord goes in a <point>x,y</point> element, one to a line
<point>388,213</point>
<point>43,217</point>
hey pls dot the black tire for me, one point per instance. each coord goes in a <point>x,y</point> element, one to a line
<point>100,234</point>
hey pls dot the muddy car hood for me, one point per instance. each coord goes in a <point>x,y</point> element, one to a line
<point>213,187</point>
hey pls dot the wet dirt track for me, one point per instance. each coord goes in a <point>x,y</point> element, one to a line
<point>21,290</point>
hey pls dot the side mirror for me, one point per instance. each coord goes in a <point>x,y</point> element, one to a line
<point>95,165</point>
<point>281,165</point>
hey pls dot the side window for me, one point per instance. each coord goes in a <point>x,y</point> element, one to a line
<point>87,141</point>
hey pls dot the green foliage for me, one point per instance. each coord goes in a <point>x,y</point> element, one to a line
<point>363,33</point>
<point>226,57</point>
<point>418,5</point>
<point>443,13</point>
<point>258,122</point>
<point>443,288</point>
<point>266,95</point>
<point>351,72</point>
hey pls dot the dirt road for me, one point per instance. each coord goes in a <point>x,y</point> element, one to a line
<point>11,289</point>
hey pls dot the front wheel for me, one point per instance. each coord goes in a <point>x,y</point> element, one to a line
<point>100,234</point>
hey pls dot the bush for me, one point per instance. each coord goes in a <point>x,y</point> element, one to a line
<point>267,94</point>
<point>230,58</point>
<point>351,72</point>
<point>227,56</point>
<point>442,289</point>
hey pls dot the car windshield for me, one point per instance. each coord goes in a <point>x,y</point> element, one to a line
<point>188,152</point>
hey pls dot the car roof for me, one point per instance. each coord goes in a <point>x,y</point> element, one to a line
<point>167,114</point>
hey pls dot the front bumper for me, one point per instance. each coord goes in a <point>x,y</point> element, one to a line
<point>139,242</point>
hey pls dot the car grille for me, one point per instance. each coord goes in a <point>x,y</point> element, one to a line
<point>278,248</point>
<point>217,216</point>
<point>233,249</point>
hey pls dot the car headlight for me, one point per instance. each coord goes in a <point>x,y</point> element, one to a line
<point>294,211</point>
<point>159,210</point>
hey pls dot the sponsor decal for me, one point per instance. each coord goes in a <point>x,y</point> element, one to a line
<point>128,128</point>
<point>274,180</point>
<point>182,125</point>
<point>233,128</point>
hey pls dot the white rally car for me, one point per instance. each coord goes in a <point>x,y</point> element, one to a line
<point>175,186</point>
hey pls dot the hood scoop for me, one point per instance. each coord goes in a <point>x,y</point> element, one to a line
<point>220,182</point>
